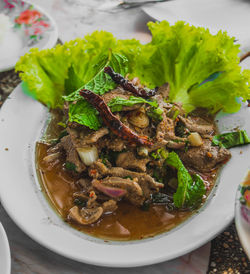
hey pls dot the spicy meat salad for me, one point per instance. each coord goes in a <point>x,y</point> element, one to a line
<point>148,151</point>
<point>135,148</point>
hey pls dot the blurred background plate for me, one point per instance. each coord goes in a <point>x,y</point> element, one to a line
<point>22,27</point>
<point>4,252</point>
<point>242,213</point>
<point>227,15</point>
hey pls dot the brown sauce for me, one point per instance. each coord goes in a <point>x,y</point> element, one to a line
<point>126,223</point>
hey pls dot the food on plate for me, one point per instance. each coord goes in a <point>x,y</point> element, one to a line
<point>132,147</point>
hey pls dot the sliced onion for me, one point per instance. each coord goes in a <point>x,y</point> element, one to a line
<point>112,192</point>
<point>88,155</point>
<point>138,119</point>
<point>51,157</point>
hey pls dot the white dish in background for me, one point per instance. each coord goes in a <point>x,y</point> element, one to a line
<point>22,120</point>
<point>4,252</point>
<point>30,26</point>
<point>242,213</point>
<point>227,15</point>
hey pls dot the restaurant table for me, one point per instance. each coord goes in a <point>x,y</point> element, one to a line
<point>75,18</point>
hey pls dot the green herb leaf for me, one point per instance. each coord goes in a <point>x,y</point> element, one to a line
<point>231,139</point>
<point>160,198</point>
<point>157,175</point>
<point>80,202</point>
<point>117,103</point>
<point>163,199</point>
<point>155,113</point>
<point>101,82</point>
<point>180,130</point>
<point>61,135</point>
<point>189,191</point>
<point>83,113</point>
<point>161,153</point>
<point>70,166</point>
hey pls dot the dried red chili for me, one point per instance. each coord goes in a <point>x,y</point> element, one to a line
<point>128,85</point>
<point>111,121</point>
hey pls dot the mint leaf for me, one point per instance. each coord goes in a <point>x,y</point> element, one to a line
<point>155,113</point>
<point>101,82</point>
<point>231,139</point>
<point>70,166</point>
<point>190,190</point>
<point>117,103</point>
<point>80,111</point>
<point>83,113</point>
<point>195,192</point>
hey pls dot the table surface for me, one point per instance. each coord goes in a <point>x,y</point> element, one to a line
<point>76,18</point>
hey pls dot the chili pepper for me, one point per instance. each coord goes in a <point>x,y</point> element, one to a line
<point>209,154</point>
<point>111,121</point>
<point>128,85</point>
<point>93,172</point>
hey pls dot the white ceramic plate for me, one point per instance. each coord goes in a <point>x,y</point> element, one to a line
<point>22,121</point>
<point>31,27</point>
<point>227,15</point>
<point>4,252</point>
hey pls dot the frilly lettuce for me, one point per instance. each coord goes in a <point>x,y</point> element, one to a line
<point>185,56</point>
<point>52,73</point>
<point>202,69</point>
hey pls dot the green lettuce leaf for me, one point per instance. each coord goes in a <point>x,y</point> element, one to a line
<point>117,103</point>
<point>44,73</point>
<point>187,57</point>
<point>202,69</point>
<point>190,190</point>
<point>231,139</point>
<point>50,74</point>
<point>155,113</point>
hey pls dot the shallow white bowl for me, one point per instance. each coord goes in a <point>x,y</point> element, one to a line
<point>22,121</point>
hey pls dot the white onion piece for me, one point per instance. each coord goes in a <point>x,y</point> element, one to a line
<point>142,151</point>
<point>195,139</point>
<point>88,155</point>
<point>51,157</point>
